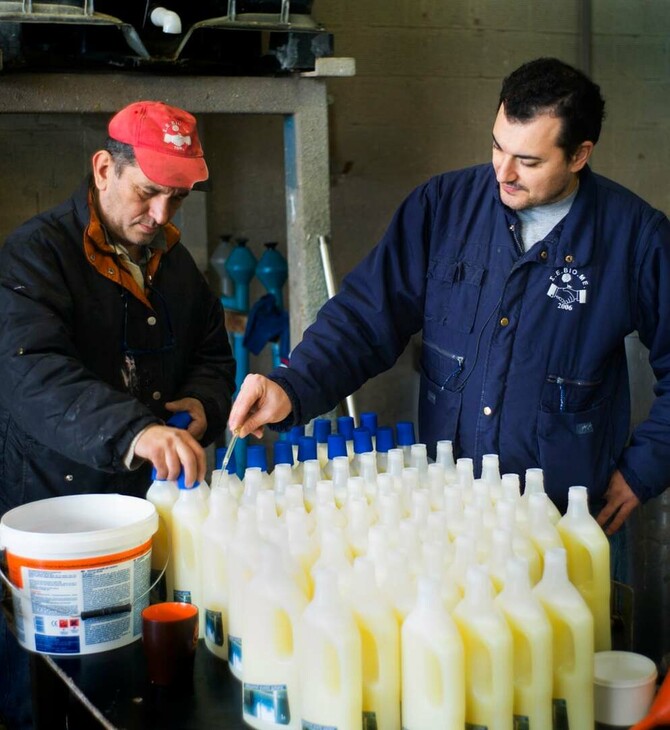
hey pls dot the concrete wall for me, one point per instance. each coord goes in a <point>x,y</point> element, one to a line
<point>423,100</point>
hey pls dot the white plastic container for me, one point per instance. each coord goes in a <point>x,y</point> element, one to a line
<point>532,646</point>
<point>330,657</point>
<point>572,649</point>
<point>380,646</point>
<point>188,515</point>
<point>588,553</point>
<point>487,639</point>
<point>433,666</point>
<point>79,567</point>
<point>163,494</point>
<point>624,685</point>
<point>273,606</point>
<point>217,532</point>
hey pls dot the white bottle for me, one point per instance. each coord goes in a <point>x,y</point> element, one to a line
<point>489,689</point>
<point>188,515</point>
<point>273,609</point>
<point>243,560</point>
<point>445,456</point>
<point>588,554</point>
<point>466,478</point>
<point>532,646</point>
<point>330,656</point>
<point>418,458</point>
<point>535,485</point>
<point>433,667</point>
<point>541,530</point>
<point>217,532</point>
<point>380,646</point>
<point>572,650</point>
<point>491,475</point>
<point>163,494</point>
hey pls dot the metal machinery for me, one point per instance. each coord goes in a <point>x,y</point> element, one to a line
<point>208,36</point>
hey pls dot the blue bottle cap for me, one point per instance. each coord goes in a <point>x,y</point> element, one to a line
<point>322,429</point>
<point>405,433</point>
<point>256,456</point>
<point>337,446</point>
<point>306,448</point>
<point>369,421</point>
<point>282,453</point>
<point>180,419</point>
<point>295,433</point>
<point>385,439</point>
<point>345,426</point>
<point>362,440</point>
<point>231,468</point>
<point>182,485</point>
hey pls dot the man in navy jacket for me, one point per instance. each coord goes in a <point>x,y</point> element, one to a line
<point>525,276</point>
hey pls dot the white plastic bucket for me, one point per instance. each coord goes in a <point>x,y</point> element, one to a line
<point>624,687</point>
<point>79,571</point>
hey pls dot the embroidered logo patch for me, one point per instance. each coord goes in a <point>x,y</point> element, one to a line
<point>584,428</point>
<point>172,135</point>
<point>568,287</point>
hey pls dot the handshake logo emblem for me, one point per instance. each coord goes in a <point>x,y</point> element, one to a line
<point>568,287</point>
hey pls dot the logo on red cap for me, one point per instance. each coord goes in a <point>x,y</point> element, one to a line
<point>172,135</point>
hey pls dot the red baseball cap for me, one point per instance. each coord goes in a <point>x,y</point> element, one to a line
<point>165,141</point>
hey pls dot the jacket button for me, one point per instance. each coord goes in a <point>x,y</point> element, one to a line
<point>20,351</point>
<point>504,321</point>
<point>110,271</point>
<point>151,321</point>
<point>156,395</point>
<point>69,478</point>
<point>569,258</point>
<point>488,410</point>
<point>543,255</point>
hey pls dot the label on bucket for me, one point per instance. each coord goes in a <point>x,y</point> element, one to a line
<point>85,610</point>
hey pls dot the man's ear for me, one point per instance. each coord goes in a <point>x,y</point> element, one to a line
<point>103,168</point>
<point>581,156</point>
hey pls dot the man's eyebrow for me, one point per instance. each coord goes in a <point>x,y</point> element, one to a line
<point>519,157</point>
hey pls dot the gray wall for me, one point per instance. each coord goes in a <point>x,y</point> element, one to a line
<point>423,100</point>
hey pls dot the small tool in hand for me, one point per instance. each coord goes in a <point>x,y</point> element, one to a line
<point>229,450</point>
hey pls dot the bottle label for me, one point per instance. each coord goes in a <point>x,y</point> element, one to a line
<point>235,652</point>
<point>521,722</point>
<point>369,720</point>
<point>560,714</point>
<point>214,627</point>
<point>306,725</point>
<point>268,702</point>
<point>182,596</point>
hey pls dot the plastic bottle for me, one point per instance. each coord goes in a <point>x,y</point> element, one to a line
<point>535,485</point>
<point>337,446</point>
<point>243,560</point>
<point>418,458</point>
<point>257,457</point>
<point>489,688</point>
<point>466,476</point>
<point>572,648</point>
<point>331,677</point>
<point>282,453</point>
<point>444,454</point>
<point>588,555</point>
<point>321,429</point>
<point>273,608</point>
<point>345,427</point>
<point>163,493</point>
<point>340,477</point>
<point>491,475</point>
<point>384,441</point>
<point>293,437</point>
<point>217,531</point>
<point>521,544</point>
<point>405,438</point>
<point>368,473</point>
<point>229,478</point>
<point>433,666</point>
<point>532,646</point>
<point>188,515</point>
<point>306,452</point>
<point>253,483</point>
<point>541,530</point>
<point>362,445</point>
<point>380,645</point>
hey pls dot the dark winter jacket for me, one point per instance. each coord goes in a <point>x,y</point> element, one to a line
<point>87,360</point>
<point>523,352</point>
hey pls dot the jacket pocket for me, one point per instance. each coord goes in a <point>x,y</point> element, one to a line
<point>452,293</point>
<point>439,399</point>
<point>575,450</point>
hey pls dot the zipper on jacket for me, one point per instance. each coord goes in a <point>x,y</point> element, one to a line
<point>562,382</point>
<point>459,360</point>
<point>518,243</point>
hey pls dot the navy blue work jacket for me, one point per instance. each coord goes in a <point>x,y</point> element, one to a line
<point>523,352</point>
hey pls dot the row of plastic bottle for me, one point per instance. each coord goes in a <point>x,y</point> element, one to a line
<point>426,528</point>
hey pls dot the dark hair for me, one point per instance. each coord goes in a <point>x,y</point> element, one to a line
<point>547,85</point>
<point>123,154</point>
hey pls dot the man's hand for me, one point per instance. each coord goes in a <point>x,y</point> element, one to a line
<point>194,408</point>
<point>169,449</point>
<point>259,401</point>
<point>620,501</point>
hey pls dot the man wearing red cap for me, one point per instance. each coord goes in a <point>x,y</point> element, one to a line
<point>107,328</point>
